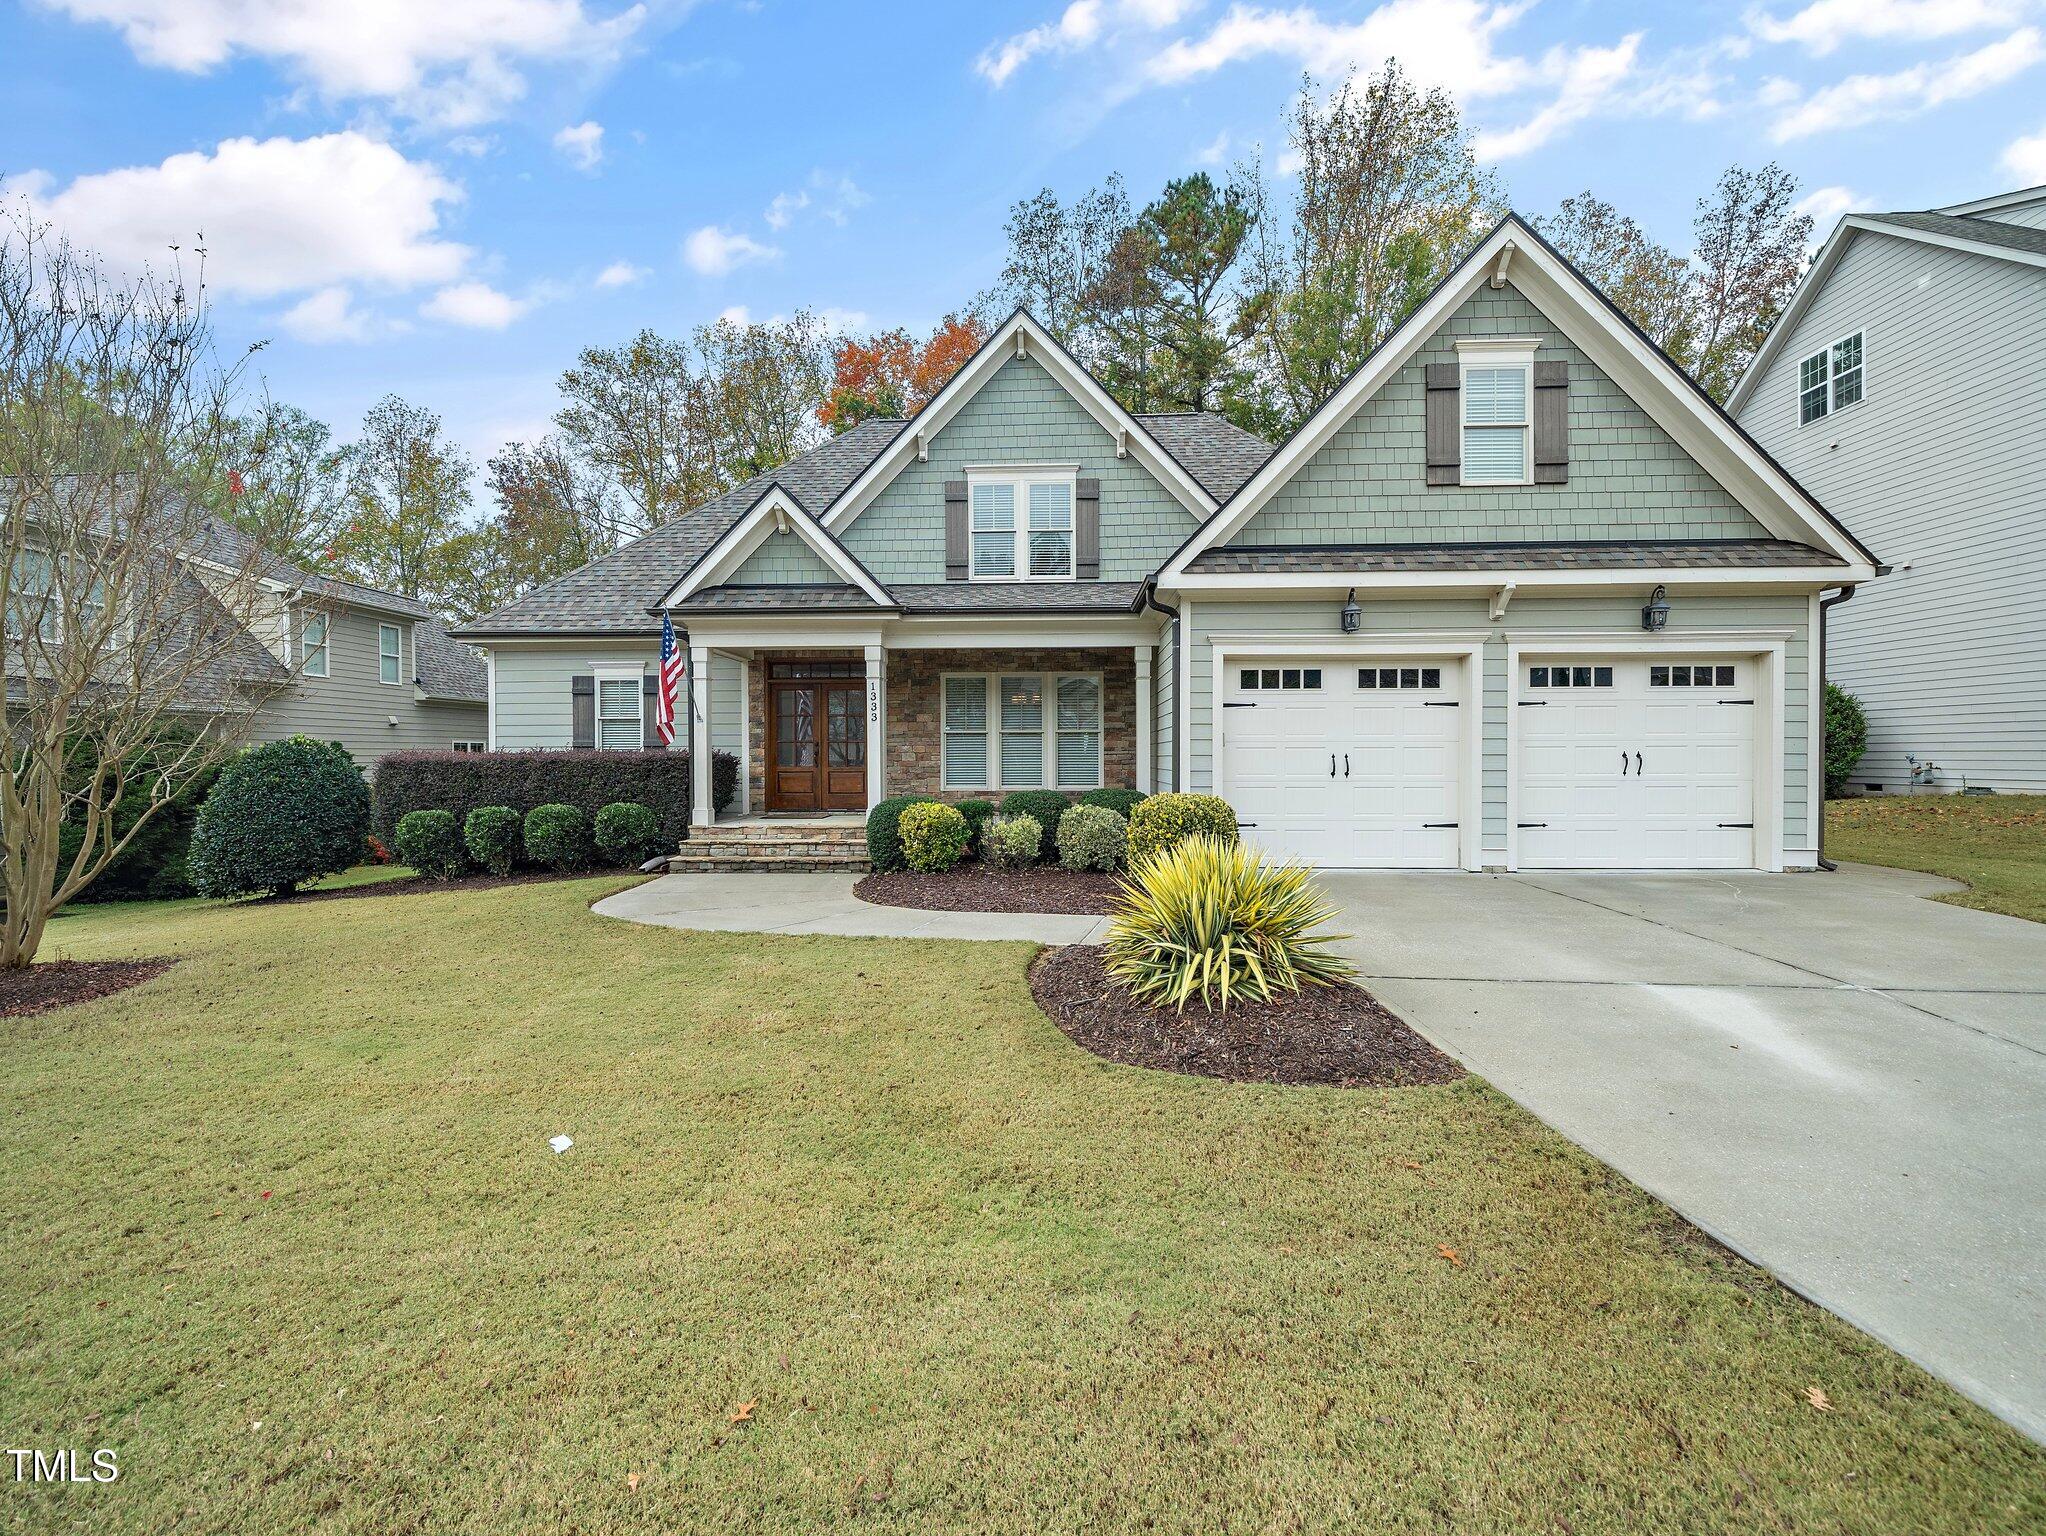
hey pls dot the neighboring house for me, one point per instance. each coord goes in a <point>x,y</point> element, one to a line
<point>1902,385</point>
<point>1413,635</point>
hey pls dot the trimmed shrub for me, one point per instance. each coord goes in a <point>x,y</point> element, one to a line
<point>1011,842</point>
<point>1846,737</point>
<point>280,814</point>
<point>627,834</point>
<point>1209,917</point>
<point>462,781</point>
<point>933,836</point>
<point>1045,806</point>
<point>1120,801</point>
<point>976,813</point>
<point>1163,820</point>
<point>884,832</point>
<point>1092,837</point>
<point>431,842</point>
<point>494,834</point>
<point>558,836</point>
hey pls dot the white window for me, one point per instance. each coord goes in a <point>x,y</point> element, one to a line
<point>312,645</point>
<point>1498,391</point>
<point>1021,525</point>
<point>390,651</point>
<point>620,698</point>
<point>1021,731</point>
<point>468,746</point>
<point>1830,380</point>
<point>31,597</point>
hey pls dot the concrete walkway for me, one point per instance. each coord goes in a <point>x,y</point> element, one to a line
<point>740,903</point>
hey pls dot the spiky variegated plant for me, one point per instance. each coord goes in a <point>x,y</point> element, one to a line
<point>1212,918</point>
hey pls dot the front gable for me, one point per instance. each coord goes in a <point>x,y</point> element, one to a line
<point>1368,483</point>
<point>1020,415</point>
<point>783,560</point>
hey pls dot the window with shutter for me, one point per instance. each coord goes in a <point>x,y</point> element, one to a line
<point>1496,423</point>
<point>1022,525</point>
<point>619,727</point>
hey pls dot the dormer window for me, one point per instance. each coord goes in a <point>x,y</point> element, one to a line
<point>1497,390</point>
<point>1021,524</point>
<point>1829,380</point>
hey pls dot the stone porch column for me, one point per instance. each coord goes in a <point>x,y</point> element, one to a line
<point>877,736</point>
<point>1145,707</point>
<point>700,813</point>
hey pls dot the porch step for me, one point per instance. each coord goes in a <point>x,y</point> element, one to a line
<point>794,847</point>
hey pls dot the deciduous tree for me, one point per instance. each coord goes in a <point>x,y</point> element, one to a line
<point>284,481</point>
<point>1751,243</point>
<point>1650,282</point>
<point>891,373</point>
<point>408,500</point>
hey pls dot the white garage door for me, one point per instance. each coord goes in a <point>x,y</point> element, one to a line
<point>1346,762</point>
<point>1629,763</point>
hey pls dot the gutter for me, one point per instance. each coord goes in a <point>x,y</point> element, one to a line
<point>1844,595</point>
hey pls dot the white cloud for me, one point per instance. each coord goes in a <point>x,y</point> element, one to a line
<point>736,314</point>
<point>1440,42</point>
<point>841,321</point>
<point>1591,77</point>
<point>834,195</point>
<point>582,144</point>
<point>714,252</point>
<point>1824,25</point>
<point>478,306</point>
<point>325,315</point>
<point>1080,25</point>
<point>784,208</point>
<point>1827,205</point>
<point>474,145</point>
<point>2026,159</point>
<point>451,62</point>
<point>621,274</point>
<point>278,215</point>
<point>1872,98</point>
<point>1215,151</point>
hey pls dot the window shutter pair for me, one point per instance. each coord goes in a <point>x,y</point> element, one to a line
<point>650,734</point>
<point>1551,423</point>
<point>582,702</point>
<point>1086,530</point>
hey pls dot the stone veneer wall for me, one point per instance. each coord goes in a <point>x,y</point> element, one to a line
<point>913,711</point>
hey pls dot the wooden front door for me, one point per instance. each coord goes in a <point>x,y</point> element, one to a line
<point>816,738</point>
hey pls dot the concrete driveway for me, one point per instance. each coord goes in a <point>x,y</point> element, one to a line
<point>1838,1078</point>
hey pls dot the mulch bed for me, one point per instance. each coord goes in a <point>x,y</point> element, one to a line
<point>1339,1035</point>
<point>60,983</point>
<point>419,885</point>
<point>982,888</point>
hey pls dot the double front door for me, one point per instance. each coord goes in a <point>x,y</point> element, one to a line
<point>816,736</point>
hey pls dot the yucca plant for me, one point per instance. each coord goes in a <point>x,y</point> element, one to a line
<point>1210,917</point>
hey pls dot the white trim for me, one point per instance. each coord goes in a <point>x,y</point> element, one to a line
<point>1182,735</point>
<point>1047,729</point>
<point>1768,647</point>
<point>1831,382</point>
<point>967,382</point>
<point>701,813</point>
<point>1822,268</point>
<point>1815,756</point>
<point>398,656</point>
<point>618,672</point>
<point>731,548</point>
<point>746,733</point>
<point>325,647</point>
<point>877,723</point>
<point>489,696</point>
<point>1146,706</point>
<point>1021,479</point>
<point>1467,650</point>
<point>1251,585</point>
<point>1649,379</point>
<point>1510,352</point>
<point>2001,200</point>
<point>1522,347</point>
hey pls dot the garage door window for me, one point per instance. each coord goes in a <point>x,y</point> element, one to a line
<point>1698,674</point>
<point>1399,677</point>
<point>1570,677</point>
<point>1279,679</point>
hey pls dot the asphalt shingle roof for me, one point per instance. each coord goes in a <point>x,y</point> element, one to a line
<point>1018,597</point>
<point>2016,237</point>
<point>789,599</point>
<point>1619,555</point>
<point>1214,451</point>
<point>447,669</point>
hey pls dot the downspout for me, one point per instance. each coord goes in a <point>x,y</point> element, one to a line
<point>1151,601</point>
<point>1845,594</point>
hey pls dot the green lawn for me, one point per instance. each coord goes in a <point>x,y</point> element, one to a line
<point>971,1278</point>
<point>1995,843</point>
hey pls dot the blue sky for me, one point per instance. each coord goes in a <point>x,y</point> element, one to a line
<point>447,198</point>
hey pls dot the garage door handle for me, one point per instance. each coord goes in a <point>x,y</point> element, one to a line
<point>1736,823</point>
<point>1440,703</point>
<point>1440,823</point>
<point>1533,703</point>
<point>1734,701</point>
<point>1523,825</point>
<point>1235,704</point>
<point>1346,765</point>
<point>1623,764</point>
<point>1637,764</point>
<point>1331,765</point>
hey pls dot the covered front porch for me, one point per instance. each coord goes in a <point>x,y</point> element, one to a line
<point>826,720</point>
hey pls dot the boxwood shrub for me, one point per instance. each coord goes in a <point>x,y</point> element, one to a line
<point>431,842</point>
<point>280,814</point>
<point>494,836</point>
<point>1120,801</point>
<point>462,781</point>
<point>627,834</point>
<point>558,836</point>
<point>1092,837</point>
<point>976,813</point>
<point>933,836</point>
<point>1164,820</point>
<point>1011,842</point>
<point>884,831</point>
<point>1045,807</point>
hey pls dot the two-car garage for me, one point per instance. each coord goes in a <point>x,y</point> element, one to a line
<point>1642,759</point>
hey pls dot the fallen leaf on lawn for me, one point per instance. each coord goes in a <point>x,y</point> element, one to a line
<point>632,1482</point>
<point>744,1411</point>
<point>1449,1253</point>
<point>1817,1398</point>
<point>1287,1248</point>
<point>1403,1162</point>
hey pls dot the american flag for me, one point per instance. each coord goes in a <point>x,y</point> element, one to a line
<point>671,682</point>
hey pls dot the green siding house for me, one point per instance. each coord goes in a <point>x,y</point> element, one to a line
<point>1516,596</point>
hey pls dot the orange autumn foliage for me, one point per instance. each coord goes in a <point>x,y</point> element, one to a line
<point>891,373</point>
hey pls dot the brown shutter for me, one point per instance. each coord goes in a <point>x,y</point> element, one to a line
<point>1087,530</point>
<point>1552,423</point>
<point>955,530</point>
<point>1445,424</point>
<point>582,713</point>
<point>650,732</point>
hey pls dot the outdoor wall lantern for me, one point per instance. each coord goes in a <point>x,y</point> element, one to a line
<point>1353,616</point>
<point>1656,614</point>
